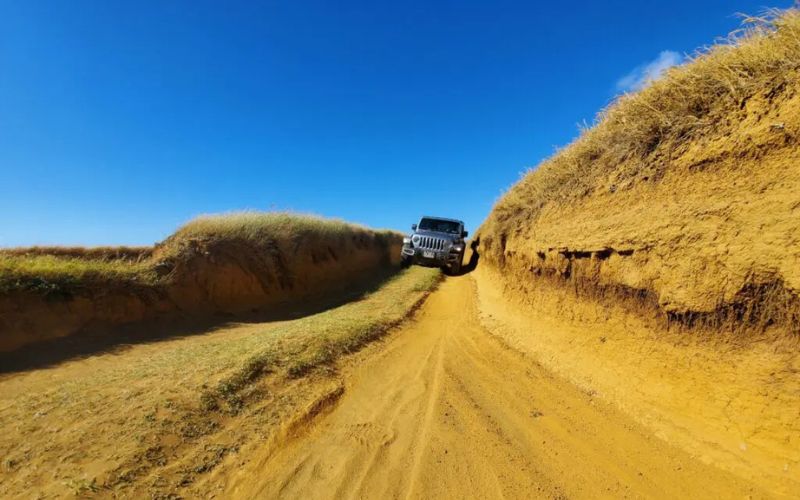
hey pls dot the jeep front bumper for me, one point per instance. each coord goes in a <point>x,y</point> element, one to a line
<point>424,257</point>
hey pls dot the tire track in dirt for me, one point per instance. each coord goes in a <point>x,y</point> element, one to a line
<point>446,409</point>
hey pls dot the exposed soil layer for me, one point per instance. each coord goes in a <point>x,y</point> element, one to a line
<point>714,247</point>
<point>695,220</point>
<point>675,297</point>
<point>656,259</point>
<point>729,405</point>
<point>196,277</point>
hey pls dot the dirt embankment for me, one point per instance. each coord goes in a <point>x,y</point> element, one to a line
<point>684,200</point>
<point>656,260</point>
<point>154,419</point>
<point>194,272</point>
<point>728,405</point>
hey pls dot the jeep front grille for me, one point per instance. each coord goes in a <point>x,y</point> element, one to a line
<point>431,243</point>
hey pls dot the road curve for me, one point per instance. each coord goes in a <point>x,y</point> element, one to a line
<point>447,410</point>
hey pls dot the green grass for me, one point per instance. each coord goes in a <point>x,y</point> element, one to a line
<point>319,340</point>
<point>131,254</point>
<point>50,273</point>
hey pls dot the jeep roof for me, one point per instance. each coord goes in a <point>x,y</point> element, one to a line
<point>441,218</point>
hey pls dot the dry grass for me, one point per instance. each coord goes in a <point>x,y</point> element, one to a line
<point>694,173</point>
<point>54,268</point>
<point>133,254</point>
<point>53,273</point>
<point>265,230</point>
<point>260,226</point>
<point>636,136</point>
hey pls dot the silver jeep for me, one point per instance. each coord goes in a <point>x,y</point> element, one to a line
<point>435,242</point>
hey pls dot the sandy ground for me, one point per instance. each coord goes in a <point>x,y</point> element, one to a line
<point>732,405</point>
<point>445,409</point>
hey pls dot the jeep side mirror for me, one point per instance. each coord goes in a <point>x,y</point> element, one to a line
<point>413,227</point>
<point>464,234</point>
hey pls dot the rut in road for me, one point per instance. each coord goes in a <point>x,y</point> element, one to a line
<point>447,410</point>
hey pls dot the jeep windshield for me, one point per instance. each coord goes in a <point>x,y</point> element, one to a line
<point>439,226</point>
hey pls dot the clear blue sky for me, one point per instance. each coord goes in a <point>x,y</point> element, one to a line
<point>121,120</point>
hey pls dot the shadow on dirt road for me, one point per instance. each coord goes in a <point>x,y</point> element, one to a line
<point>474,257</point>
<point>119,338</point>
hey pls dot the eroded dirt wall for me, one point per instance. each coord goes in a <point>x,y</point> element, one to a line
<point>205,278</point>
<point>712,242</point>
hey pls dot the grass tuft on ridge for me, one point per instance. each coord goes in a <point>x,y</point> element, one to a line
<point>50,269</point>
<point>689,102</point>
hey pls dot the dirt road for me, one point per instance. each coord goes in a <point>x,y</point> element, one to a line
<point>447,410</point>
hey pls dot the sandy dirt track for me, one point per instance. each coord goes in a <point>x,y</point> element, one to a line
<point>447,410</point>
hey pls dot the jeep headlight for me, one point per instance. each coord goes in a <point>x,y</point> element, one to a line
<point>458,248</point>
<point>415,239</point>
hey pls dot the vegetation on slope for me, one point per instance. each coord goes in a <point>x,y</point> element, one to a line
<point>634,136</point>
<point>49,273</point>
<point>124,431</point>
<point>49,269</point>
<point>221,264</point>
<point>682,197</point>
<point>264,227</point>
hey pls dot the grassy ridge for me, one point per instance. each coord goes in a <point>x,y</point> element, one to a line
<point>52,268</point>
<point>258,226</point>
<point>681,200</point>
<point>634,138</point>
<point>49,273</point>
<point>94,253</point>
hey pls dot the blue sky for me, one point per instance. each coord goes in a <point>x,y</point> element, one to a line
<point>121,120</point>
